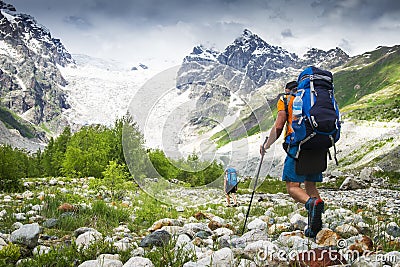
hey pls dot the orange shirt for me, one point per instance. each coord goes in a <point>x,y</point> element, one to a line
<point>281,107</point>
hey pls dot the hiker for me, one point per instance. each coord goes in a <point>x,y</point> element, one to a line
<point>309,195</point>
<point>230,186</point>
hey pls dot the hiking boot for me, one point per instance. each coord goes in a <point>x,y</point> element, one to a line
<point>236,205</point>
<point>315,208</point>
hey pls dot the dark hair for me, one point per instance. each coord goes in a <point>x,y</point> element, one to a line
<point>291,85</point>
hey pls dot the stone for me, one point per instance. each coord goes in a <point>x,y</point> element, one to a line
<point>279,227</point>
<point>247,263</point>
<point>27,235</point>
<point>222,257</point>
<point>326,238</point>
<point>50,223</point>
<point>298,222</point>
<point>261,246</point>
<point>90,263</point>
<point>203,234</point>
<point>362,244</point>
<point>158,238</point>
<point>82,230</point>
<point>351,183</point>
<point>213,225</point>
<point>223,241</point>
<point>66,207</point>
<point>164,222</point>
<point>257,224</point>
<point>393,229</point>
<point>196,227</point>
<point>3,213</point>
<point>84,240</point>
<point>223,231</point>
<point>248,237</point>
<point>20,216</point>
<point>39,250</point>
<point>138,262</point>
<point>173,230</point>
<point>285,236</point>
<point>346,230</point>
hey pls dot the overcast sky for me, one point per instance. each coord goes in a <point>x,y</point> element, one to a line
<point>132,30</point>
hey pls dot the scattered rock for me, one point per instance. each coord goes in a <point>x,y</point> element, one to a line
<point>50,223</point>
<point>393,229</point>
<point>84,240</point>
<point>326,238</point>
<point>351,183</point>
<point>164,222</point>
<point>27,235</point>
<point>66,207</point>
<point>158,238</point>
<point>362,244</point>
<point>257,224</point>
<point>346,230</point>
<point>138,262</point>
<point>222,257</point>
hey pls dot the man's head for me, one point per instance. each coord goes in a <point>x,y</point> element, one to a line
<point>291,87</point>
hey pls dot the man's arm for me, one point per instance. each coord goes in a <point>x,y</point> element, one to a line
<point>225,181</point>
<point>277,129</point>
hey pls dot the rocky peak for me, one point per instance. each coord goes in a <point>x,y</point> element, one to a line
<point>325,59</point>
<point>6,6</point>
<point>258,59</point>
<point>30,81</point>
<point>201,53</point>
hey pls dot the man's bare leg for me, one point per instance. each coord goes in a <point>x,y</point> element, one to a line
<point>296,192</point>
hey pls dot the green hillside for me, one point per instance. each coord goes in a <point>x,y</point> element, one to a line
<point>370,80</point>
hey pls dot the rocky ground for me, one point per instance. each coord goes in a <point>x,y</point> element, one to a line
<point>361,228</point>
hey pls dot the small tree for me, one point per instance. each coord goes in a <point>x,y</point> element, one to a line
<point>114,178</point>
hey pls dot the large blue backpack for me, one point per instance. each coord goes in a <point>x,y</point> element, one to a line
<point>319,126</point>
<point>231,177</point>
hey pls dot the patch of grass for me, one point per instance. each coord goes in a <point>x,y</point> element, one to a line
<point>100,215</point>
<point>167,255</point>
<point>269,185</point>
<point>150,211</point>
<point>71,255</point>
<point>336,184</point>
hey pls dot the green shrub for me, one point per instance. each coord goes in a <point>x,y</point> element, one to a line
<point>9,255</point>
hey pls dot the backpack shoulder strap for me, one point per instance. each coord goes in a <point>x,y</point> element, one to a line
<point>285,97</point>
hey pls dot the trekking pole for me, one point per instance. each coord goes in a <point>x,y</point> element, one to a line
<point>255,184</point>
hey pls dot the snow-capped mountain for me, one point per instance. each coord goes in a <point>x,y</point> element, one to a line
<point>325,59</point>
<point>31,82</point>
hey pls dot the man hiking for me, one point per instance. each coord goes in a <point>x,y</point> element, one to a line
<point>230,186</point>
<point>309,195</point>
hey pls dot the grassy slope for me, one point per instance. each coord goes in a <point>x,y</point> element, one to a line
<point>12,121</point>
<point>368,86</point>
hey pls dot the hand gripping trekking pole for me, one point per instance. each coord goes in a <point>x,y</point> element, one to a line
<point>255,183</point>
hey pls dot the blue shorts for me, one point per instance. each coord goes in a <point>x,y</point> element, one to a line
<point>289,170</point>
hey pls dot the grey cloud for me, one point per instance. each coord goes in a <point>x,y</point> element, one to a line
<point>357,10</point>
<point>79,22</point>
<point>345,45</point>
<point>287,33</point>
